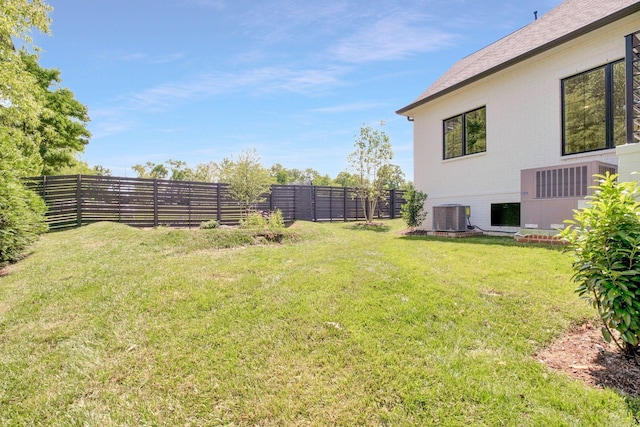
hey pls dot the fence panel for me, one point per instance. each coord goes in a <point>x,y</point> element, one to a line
<point>74,200</point>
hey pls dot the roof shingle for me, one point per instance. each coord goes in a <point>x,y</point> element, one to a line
<point>569,20</point>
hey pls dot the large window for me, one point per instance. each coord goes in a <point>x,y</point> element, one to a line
<point>593,115</point>
<point>465,134</point>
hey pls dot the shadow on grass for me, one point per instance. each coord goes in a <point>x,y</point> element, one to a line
<point>483,240</point>
<point>376,226</point>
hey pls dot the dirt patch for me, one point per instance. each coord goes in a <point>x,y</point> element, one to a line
<point>3,271</point>
<point>582,353</point>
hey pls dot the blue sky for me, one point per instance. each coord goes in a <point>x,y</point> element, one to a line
<point>201,80</point>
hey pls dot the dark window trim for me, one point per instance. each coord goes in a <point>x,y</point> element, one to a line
<point>608,78</point>
<point>464,134</point>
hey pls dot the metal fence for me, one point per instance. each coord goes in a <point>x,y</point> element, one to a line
<point>75,200</point>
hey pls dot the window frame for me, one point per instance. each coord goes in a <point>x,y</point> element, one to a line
<point>609,95</point>
<point>463,119</point>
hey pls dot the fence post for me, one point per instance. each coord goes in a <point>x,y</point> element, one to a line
<point>79,200</point>
<point>189,202</point>
<point>44,189</point>
<point>392,203</point>
<point>330,204</point>
<point>218,202</point>
<point>345,203</point>
<point>155,202</point>
<point>271,198</point>
<point>314,199</point>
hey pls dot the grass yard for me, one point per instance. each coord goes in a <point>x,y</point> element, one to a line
<point>108,325</point>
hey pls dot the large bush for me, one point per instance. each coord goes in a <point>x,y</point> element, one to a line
<point>21,217</point>
<point>605,238</point>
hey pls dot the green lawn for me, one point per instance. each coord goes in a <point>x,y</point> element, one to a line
<point>108,325</point>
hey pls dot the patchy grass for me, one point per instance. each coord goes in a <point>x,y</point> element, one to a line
<point>109,325</point>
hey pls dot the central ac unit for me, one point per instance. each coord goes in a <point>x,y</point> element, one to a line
<point>450,217</point>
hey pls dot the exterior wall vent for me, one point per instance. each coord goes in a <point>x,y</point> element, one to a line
<point>450,217</point>
<point>550,194</point>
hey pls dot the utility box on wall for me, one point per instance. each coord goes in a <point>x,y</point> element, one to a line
<point>549,195</point>
<point>450,217</point>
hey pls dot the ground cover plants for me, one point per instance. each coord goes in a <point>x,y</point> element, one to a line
<point>339,325</point>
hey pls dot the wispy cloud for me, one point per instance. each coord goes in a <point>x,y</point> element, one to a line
<point>350,107</point>
<point>142,57</point>
<point>216,4</point>
<point>263,80</point>
<point>106,122</point>
<point>394,37</point>
<point>285,20</point>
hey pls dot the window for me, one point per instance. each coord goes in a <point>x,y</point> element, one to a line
<point>505,214</point>
<point>465,134</point>
<point>593,114</point>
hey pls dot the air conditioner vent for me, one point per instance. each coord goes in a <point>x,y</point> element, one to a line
<point>562,182</point>
<point>450,218</point>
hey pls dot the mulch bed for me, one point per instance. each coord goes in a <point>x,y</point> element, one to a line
<point>582,354</point>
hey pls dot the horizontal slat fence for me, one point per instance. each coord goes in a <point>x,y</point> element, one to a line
<point>75,200</point>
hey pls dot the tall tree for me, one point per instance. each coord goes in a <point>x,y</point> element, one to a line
<point>21,211</point>
<point>61,131</point>
<point>372,154</point>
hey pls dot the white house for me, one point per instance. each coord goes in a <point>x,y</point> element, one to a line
<point>516,130</point>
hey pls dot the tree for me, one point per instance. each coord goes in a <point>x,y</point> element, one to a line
<point>322,180</point>
<point>346,179</point>
<point>80,167</point>
<point>204,172</point>
<point>61,130</point>
<point>391,176</point>
<point>248,180</point>
<point>280,174</point>
<point>372,153</point>
<point>21,211</point>
<point>151,170</point>
<point>179,170</point>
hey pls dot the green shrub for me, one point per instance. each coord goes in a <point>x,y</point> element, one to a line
<point>605,239</point>
<point>254,220</point>
<point>412,210</point>
<point>276,220</point>
<point>208,225</point>
<point>21,218</point>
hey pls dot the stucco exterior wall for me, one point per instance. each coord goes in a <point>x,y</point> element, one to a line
<point>523,107</point>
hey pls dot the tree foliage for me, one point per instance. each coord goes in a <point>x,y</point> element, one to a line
<point>308,176</point>
<point>248,180</point>
<point>80,167</point>
<point>372,154</point>
<point>151,170</point>
<point>392,177</point>
<point>605,239</point>
<point>346,179</point>
<point>412,210</point>
<point>61,131</point>
<point>21,211</point>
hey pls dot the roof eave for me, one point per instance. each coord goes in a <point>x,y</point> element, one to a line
<point>550,45</point>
